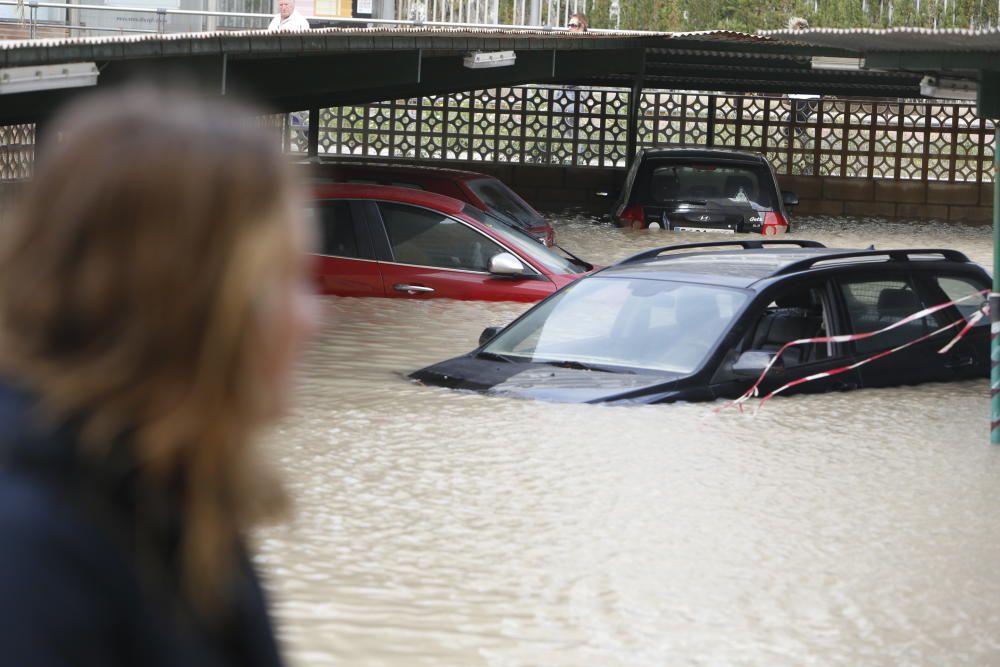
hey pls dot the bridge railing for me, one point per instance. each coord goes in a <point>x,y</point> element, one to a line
<point>44,19</point>
<point>554,13</point>
<point>869,138</point>
<point>35,18</point>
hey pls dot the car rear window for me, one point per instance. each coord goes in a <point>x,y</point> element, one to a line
<point>721,183</point>
<point>502,199</point>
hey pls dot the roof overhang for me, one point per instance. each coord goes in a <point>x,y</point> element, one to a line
<point>320,68</point>
<point>973,55</point>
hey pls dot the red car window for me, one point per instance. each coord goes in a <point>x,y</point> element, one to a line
<point>425,238</point>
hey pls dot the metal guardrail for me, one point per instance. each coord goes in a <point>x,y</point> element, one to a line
<point>443,14</point>
<point>515,12</point>
<point>161,15</point>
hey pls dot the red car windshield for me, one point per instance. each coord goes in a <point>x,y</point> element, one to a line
<point>526,245</point>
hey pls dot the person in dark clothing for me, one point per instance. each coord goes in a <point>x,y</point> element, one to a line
<point>153,299</point>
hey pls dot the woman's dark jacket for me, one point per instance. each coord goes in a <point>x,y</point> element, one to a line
<point>87,579</point>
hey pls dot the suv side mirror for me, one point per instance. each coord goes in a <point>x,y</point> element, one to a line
<point>505,264</point>
<point>489,333</point>
<point>752,363</point>
<point>789,198</point>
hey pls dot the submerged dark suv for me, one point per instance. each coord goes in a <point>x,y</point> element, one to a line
<point>705,190</point>
<point>702,321</point>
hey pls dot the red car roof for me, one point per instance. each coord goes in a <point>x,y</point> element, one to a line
<point>388,193</point>
<point>449,173</point>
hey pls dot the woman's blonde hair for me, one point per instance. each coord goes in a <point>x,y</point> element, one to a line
<point>133,285</point>
<point>582,20</point>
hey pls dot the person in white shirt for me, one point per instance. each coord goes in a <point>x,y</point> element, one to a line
<point>288,18</point>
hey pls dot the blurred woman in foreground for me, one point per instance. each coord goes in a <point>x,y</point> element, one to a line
<point>153,299</point>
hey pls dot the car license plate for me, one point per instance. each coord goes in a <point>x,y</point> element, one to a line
<point>716,230</point>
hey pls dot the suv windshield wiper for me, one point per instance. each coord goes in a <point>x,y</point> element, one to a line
<point>694,202</point>
<point>579,365</point>
<point>493,356</point>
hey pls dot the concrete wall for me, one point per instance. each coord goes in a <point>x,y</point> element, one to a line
<point>558,187</point>
<point>829,195</point>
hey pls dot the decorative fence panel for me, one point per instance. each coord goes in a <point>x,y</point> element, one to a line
<point>867,138</point>
<point>517,12</point>
<point>17,151</point>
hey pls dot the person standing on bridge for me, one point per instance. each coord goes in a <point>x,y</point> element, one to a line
<point>578,23</point>
<point>154,296</point>
<point>288,18</point>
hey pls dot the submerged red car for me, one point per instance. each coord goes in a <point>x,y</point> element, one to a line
<point>400,242</point>
<point>488,194</point>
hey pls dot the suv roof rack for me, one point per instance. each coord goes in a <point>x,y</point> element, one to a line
<point>746,245</point>
<point>894,255</point>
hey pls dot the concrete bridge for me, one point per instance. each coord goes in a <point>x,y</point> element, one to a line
<point>337,67</point>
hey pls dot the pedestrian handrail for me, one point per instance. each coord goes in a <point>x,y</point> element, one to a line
<point>33,6</point>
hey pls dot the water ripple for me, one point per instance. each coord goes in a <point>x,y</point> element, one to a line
<point>443,528</point>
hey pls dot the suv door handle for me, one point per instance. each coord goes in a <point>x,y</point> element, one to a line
<point>959,362</point>
<point>412,289</point>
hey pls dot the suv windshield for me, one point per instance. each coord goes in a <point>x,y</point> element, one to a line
<point>525,244</point>
<point>624,322</point>
<point>720,183</point>
<point>505,201</point>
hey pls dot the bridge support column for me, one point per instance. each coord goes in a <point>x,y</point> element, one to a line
<point>312,138</point>
<point>995,301</point>
<point>634,100</point>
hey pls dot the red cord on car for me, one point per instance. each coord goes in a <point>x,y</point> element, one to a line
<point>754,390</point>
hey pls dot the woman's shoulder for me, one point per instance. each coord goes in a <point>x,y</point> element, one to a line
<point>48,536</point>
<point>37,513</point>
<point>60,582</point>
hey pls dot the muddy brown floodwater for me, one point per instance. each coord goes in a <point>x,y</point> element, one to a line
<point>439,528</point>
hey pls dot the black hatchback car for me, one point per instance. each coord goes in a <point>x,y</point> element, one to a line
<point>704,190</point>
<point>699,322</point>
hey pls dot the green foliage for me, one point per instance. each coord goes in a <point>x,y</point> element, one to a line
<point>753,15</point>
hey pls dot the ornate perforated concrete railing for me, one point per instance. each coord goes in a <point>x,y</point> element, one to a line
<point>885,139</point>
<point>17,151</point>
<point>869,138</point>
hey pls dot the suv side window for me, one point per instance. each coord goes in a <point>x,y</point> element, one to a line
<point>956,288</point>
<point>338,237</point>
<point>795,314</point>
<point>426,238</point>
<point>875,303</point>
